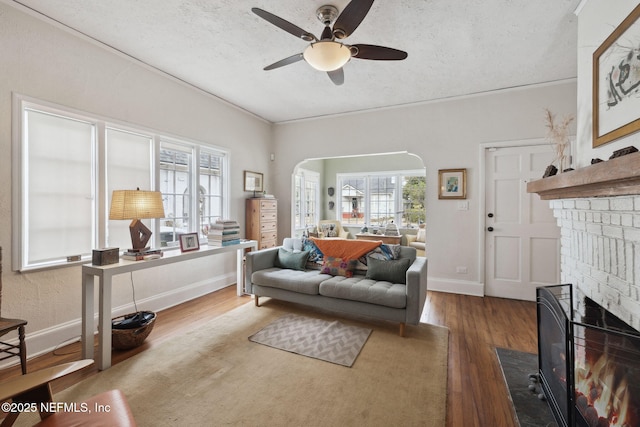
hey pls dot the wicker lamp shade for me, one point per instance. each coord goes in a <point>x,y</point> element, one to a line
<point>136,204</point>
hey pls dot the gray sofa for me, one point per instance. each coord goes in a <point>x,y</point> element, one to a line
<point>380,299</point>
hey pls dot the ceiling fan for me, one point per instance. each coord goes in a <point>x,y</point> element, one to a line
<point>327,53</point>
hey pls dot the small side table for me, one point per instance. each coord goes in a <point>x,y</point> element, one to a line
<point>391,240</point>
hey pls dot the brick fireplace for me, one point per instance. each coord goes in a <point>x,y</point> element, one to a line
<point>585,358</point>
<point>600,251</point>
<point>598,211</point>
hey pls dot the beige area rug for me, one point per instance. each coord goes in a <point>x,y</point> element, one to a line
<point>215,376</point>
<point>328,340</point>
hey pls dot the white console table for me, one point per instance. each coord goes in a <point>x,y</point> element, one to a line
<point>105,273</point>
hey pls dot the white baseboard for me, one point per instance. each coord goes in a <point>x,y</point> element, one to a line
<point>465,287</point>
<point>48,339</point>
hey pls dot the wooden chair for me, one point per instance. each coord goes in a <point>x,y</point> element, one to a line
<point>8,350</point>
<point>12,350</point>
<point>33,391</point>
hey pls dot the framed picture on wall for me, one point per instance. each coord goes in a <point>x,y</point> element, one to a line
<point>616,83</point>
<point>452,184</point>
<point>253,181</point>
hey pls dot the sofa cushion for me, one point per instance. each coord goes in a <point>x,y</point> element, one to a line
<point>358,288</point>
<point>383,251</point>
<point>315,255</point>
<point>338,267</point>
<point>292,244</point>
<point>292,260</point>
<point>394,271</point>
<point>305,282</point>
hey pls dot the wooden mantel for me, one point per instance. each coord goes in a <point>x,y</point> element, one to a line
<point>615,177</point>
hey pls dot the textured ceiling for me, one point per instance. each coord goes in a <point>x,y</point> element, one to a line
<point>455,47</point>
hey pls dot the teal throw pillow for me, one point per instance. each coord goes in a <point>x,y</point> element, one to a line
<point>292,260</point>
<point>394,271</point>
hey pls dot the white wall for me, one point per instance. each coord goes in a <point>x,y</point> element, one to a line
<point>44,61</point>
<point>444,134</point>
<point>596,21</point>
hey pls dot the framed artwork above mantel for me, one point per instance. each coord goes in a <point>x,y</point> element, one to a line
<point>616,83</point>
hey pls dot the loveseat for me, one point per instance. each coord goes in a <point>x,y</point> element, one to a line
<point>387,282</point>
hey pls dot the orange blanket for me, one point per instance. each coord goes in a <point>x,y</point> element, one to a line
<point>344,248</point>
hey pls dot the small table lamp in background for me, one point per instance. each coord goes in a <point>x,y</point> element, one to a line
<point>136,205</point>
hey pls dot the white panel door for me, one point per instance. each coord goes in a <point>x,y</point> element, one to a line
<point>522,237</point>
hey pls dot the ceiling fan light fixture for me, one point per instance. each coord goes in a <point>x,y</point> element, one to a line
<point>327,55</point>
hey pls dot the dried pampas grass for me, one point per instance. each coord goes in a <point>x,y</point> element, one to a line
<point>558,135</point>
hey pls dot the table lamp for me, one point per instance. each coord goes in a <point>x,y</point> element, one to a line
<point>136,205</point>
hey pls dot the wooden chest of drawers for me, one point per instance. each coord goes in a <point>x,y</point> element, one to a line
<point>262,222</point>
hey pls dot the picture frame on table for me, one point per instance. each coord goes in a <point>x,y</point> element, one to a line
<point>253,181</point>
<point>452,184</point>
<point>616,83</point>
<point>189,242</point>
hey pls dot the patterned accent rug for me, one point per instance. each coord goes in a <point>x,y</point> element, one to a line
<point>321,339</point>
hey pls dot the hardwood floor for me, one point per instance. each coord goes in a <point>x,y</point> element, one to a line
<point>477,395</point>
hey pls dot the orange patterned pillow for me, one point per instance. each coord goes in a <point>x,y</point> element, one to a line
<point>338,267</point>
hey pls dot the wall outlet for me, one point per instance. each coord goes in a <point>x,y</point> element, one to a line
<point>461,270</point>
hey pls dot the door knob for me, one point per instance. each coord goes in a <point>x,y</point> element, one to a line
<point>490,229</point>
<point>490,215</point>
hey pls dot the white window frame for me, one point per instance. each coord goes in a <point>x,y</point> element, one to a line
<point>399,207</point>
<point>306,175</point>
<point>195,149</point>
<point>98,178</point>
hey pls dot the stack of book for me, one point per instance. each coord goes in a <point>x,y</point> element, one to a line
<point>141,255</point>
<point>224,232</point>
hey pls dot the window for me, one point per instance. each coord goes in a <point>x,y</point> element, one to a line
<point>124,149</point>
<point>353,191</point>
<point>307,199</point>
<point>211,188</point>
<point>379,198</point>
<point>185,209</point>
<point>67,165</point>
<point>176,188</point>
<point>382,196</point>
<point>57,184</point>
<point>414,189</point>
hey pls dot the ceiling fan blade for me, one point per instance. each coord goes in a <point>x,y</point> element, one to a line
<point>379,53</point>
<point>283,24</point>
<point>286,61</point>
<point>351,17</point>
<point>336,76</point>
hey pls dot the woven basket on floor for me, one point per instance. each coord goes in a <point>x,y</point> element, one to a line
<point>124,339</point>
